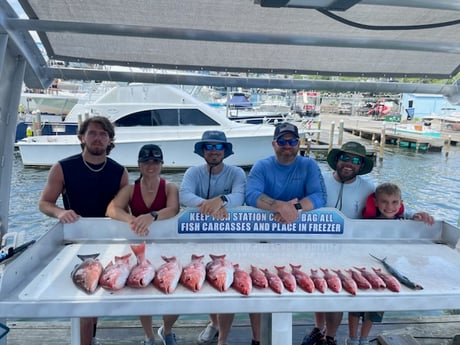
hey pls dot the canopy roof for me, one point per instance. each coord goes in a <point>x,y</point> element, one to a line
<point>368,38</point>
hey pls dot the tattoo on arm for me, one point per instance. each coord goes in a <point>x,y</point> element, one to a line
<point>267,200</point>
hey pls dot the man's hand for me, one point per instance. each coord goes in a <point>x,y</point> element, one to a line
<point>67,216</point>
<point>286,212</point>
<point>213,207</point>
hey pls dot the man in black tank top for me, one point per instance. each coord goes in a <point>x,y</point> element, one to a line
<point>87,183</point>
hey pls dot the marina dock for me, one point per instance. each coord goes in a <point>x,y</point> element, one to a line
<point>426,330</point>
<point>336,129</point>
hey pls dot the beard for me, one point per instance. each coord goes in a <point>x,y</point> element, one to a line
<point>214,161</point>
<point>96,150</point>
<point>346,174</point>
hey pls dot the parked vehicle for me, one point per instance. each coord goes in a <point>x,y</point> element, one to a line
<point>345,108</point>
<point>307,103</point>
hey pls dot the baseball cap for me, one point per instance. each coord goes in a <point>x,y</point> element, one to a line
<point>285,128</point>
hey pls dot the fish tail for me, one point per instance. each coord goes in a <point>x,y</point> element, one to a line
<point>84,257</point>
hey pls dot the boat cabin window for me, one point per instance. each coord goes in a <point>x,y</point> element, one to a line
<point>166,117</point>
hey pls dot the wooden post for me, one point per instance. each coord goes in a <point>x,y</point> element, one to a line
<point>340,139</point>
<point>382,143</point>
<point>80,121</point>
<point>319,132</point>
<point>331,136</point>
<point>447,148</point>
<point>38,129</point>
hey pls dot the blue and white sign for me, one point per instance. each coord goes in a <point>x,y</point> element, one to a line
<point>259,221</point>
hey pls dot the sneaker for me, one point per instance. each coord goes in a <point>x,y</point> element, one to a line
<point>352,341</point>
<point>255,342</point>
<point>208,335</point>
<point>94,341</point>
<point>148,342</point>
<point>330,341</point>
<point>313,338</point>
<point>167,339</point>
<point>364,341</point>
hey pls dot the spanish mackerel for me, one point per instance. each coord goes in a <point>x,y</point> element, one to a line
<point>402,278</point>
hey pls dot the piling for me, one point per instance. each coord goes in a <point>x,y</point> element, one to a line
<point>38,123</point>
<point>382,143</point>
<point>340,139</point>
<point>331,137</point>
<point>319,132</point>
<point>447,147</point>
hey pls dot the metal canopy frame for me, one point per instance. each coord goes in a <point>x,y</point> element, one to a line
<point>368,38</point>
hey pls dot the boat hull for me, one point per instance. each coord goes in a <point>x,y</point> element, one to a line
<point>177,146</point>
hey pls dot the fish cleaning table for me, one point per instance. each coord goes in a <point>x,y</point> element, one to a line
<point>37,284</point>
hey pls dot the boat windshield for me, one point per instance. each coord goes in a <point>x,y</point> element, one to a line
<point>166,117</point>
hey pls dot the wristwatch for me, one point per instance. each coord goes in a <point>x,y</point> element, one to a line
<point>154,215</point>
<point>298,206</point>
<point>224,200</point>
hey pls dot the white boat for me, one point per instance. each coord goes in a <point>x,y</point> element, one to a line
<point>51,104</point>
<point>417,129</point>
<point>160,114</point>
<point>276,101</point>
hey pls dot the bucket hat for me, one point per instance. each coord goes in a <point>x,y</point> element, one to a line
<point>213,137</point>
<point>353,148</point>
<point>285,128</point>
<point>150,152</point>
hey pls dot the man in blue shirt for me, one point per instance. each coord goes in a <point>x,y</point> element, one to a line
<point>286,182</point>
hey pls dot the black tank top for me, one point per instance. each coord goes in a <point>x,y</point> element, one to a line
<point>86,192</point>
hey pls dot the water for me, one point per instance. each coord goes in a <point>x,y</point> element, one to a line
<point>429,182</point>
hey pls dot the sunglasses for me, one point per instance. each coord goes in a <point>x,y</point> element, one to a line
<point>217,147</point>
<point>146,153</point>
<point>354,160</point>
<point>283,142</point>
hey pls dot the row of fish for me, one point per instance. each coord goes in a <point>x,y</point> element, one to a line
<point>221,274</point>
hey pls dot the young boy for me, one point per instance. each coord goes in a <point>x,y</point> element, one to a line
<point>385,203</point>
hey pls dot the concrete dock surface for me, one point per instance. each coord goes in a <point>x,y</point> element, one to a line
<point>426,330</point>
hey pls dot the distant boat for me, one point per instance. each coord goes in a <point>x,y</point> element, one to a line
<point>448,122</point>
<point>44,112</point>
<point>417,129</point>
<point>160,114</point>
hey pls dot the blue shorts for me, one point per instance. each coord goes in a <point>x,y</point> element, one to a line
<point>374,316</point>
